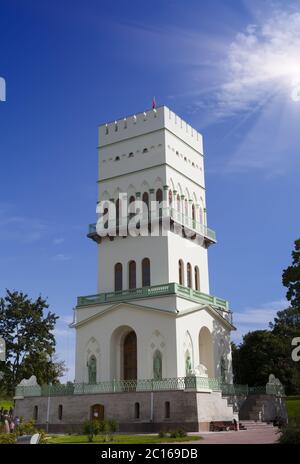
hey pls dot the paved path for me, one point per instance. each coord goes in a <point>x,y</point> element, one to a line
<point>259,434</point>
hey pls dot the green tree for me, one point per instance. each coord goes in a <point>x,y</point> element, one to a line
<point>30,343</point>
<point>263,352</point>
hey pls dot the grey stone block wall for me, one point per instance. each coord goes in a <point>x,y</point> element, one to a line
<point>189,410</point>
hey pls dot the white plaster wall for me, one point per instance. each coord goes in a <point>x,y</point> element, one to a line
<point>189,252</point>
<point>144,323</point>
<point>123,250</point>
<point>221,340</point>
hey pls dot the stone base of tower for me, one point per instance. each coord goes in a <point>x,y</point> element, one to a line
<point>164,410</point>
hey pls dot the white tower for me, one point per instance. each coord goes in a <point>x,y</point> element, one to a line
<point>153,315</point>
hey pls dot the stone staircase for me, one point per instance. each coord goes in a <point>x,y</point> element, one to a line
<point>256,425</point>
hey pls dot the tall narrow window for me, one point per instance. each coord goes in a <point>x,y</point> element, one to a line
<point>35,413</point>
<point>189,275</point>
<point>132,274</point>
<point>146,272</point>
<point>118,277</point>
<point>181,272</point>
<point>167,410</point>
<point>197,278</point>
<point>117,210</point>
<point>193,212</point>
<point>60,412</point>
<point>170,198</point>
<point>145,199</point>
<point>136,410</point>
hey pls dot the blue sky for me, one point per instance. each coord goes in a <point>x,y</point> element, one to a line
<point>228,67</point>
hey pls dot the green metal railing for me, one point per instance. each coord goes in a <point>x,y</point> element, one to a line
<point>158,290</point>
<point>122,386</point>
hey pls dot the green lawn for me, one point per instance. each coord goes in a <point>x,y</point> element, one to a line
<point>293,406</point>
<point>119,439</point>
<point>6,404</point>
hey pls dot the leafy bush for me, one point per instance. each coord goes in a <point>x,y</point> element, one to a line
<point>178,433</point>
<point>162,434</point>
<point>91,428</point>
<point>7,438</point>
<point>290,436</point>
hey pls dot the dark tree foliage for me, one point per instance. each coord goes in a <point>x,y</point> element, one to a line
<point>265,352</point>
<point>30,343</point>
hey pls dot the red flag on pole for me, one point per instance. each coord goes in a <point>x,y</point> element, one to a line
<point>153,103</point>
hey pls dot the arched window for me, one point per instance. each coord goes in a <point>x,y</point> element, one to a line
<point>145,199</point>
<point>181,272</point>
<point>136,410</point>
<point>60,412</point>
<point>132,274</point>
<point>159,195</point>
<point>146,272</point>
<point>193,212</point>
<point>131,155</point>
<point>35,413</point>
<point>197,278</point>
<point>157,365</point>
<point>118,277</point>
<point>92,370</point>
<point>167,410</point>
<point>117,158</point>
<point>145,150</point>
<point>170,198</point>
<point>189,275</point>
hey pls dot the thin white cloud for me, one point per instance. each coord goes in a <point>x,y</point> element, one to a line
<point>258,60</point>
<point>61,257</point>
<point>256,318</point>
<point>20,228</point>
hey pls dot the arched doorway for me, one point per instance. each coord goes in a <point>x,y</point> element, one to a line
<point>97,412</point>
<point>206,353</point>
<point>130,356</point>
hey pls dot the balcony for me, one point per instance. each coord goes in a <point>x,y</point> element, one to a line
<point>221,305</point>
<point>169,216</point>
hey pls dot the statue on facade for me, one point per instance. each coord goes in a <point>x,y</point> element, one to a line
<point>200,371</point>
<point>157,366</point>
<point>188,364</point>
<point>92,370</point>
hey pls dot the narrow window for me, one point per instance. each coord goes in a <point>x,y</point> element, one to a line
<point>170,198</point>
<point>145,199</point>
<point>35,413</point>
<point>167,410</point>
<point>136,410</point>
<point>197,278</point>
<point>145,150</point>
<point>146,272</point>
<point>130,155</point>
<point>181,272</point>
<point>178,203</point>
<point>189,275</point>
<point>118,277</point>
<point>132,274</point>
<point>60,412</point>
<point>193,212</point>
